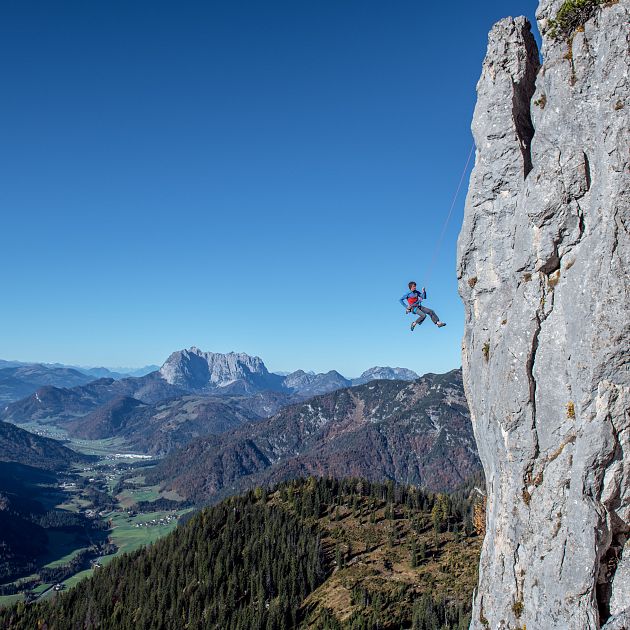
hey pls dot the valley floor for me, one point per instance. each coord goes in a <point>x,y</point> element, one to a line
<point>112,492</point>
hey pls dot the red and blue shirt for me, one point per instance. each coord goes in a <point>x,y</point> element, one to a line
<point>413,298</point>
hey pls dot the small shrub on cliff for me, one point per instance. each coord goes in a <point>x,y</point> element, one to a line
<point>571,410</point>
<point>486,351</point>
<point>572,15</point>
<point>479,517</point>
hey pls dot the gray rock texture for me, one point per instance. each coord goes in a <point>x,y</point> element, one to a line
<point>543,268</point>
<point>196,370</point>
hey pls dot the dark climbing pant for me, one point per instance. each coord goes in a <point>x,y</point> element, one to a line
<point>423,311</point>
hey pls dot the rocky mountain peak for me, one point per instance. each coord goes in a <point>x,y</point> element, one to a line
<point>198,371</point>
<point>195,369</point>
<point>543,262</point>
<point>386,373</point>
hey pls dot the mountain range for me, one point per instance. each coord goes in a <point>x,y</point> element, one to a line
<point>57,404</point>
<point>18,379</point>
<point>186,371</point>
<point>239,373</point>
<point>153,411</point>
<point>222,424</point>
<point>159,428</point>
<point>95,372</point>
<point>417,432</point>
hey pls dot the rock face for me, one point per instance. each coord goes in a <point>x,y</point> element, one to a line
<point>543,268</point>
<point>194,370</point>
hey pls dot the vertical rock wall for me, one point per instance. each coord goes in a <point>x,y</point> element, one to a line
<point>544,273</point>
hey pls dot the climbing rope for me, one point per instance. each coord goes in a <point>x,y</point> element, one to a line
<point>438,244</point>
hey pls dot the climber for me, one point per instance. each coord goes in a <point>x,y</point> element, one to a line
<point>412,303</point>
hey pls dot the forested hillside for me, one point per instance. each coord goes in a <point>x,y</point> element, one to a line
<point>321,554</point>
<point>22,447</point>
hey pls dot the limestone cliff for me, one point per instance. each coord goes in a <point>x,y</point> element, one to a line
<point>543,267</point>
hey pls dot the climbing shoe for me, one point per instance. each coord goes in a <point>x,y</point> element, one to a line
<point>440,324</point>
<point>413,325</point>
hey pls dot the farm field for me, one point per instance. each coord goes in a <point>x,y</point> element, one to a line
<point>127,537</point>
<point>141,492</point>
<point>130,533</point>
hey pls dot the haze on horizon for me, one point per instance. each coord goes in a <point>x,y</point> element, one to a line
<point>239,177</point>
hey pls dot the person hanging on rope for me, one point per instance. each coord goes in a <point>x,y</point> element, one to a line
<point>412,301</point>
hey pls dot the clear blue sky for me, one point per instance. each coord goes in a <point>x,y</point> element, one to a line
<point>263,177</point>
